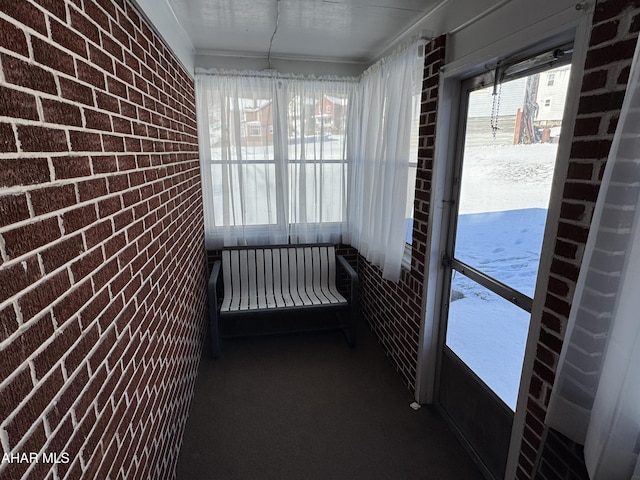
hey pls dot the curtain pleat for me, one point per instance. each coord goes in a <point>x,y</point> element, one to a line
<point>380,155</point>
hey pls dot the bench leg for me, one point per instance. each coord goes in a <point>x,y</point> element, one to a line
<point>349,331</point>
<point>214,332</point>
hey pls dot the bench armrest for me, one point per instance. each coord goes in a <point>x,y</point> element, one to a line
<point>212,290</point>
<point>353,277</point>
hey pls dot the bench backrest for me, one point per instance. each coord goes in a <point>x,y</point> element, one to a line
<point>269,277</point>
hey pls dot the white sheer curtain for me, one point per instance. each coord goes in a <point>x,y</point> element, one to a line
<point>596,396</point>
<point>379,146</point>
<point>273,157</point>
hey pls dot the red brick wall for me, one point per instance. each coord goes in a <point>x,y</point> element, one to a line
<point>393,310</point>
<point>102,266</point>
<point>611,47</point>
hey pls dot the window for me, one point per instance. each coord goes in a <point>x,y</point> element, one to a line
<point>289,184</point>
<point>547,102</point>
<point>254,129</point>
<point>551,79</point>
<point>411,180</point>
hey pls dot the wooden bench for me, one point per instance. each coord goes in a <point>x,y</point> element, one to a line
<point>280,280</point>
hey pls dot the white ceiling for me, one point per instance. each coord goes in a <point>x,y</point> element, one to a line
<point>355,31</point>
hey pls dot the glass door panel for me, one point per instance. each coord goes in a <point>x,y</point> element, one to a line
<point>508,160</point>
<point>489,334</point>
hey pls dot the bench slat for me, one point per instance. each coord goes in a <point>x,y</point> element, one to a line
<point>260,286</point>
<point>319,270</point>
<point>235,281</point>
<point>226,280</point>
<point>302,287</point>
<point>244,280</point>
<point>308,276</point>
<point>294,278</point>
<point>268,278</point>
<point>286,280</point>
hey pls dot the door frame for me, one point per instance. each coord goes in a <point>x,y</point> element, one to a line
<point>446,150</point>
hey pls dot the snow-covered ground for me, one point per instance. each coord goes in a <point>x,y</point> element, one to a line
<point>505,194</point>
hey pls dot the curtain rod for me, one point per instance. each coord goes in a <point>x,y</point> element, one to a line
<point>270,73</point>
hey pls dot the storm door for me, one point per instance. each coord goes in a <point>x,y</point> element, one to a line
<point>509,136</point>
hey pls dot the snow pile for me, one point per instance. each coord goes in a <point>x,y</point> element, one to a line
<point>500,230</point>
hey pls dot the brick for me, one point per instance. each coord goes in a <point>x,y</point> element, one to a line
<point>112,47</point>
<point>601,103</point>
<point>585,127</point>
<point>90,74</point>
<point>77,355</point>
<point>7,138</point>
<point>63,339</point>
<point>566,249</point>
<point>83,141</point>
<point>580,171</point>
<point>109,206</point>
<point>95,307</point>
<point>71,304</point>
<point>15,171</point>
<point>13,208</point>
<point>79,218</point>
<point>105,164</point>
<point>62,253</point>
<point>96,120</point>
<point>26,14</point>
<point>107,102</point>
<point>87,264</point>
<point>98,233</point>
<point>15,391</point>
<point>44,295</point>
<point>61,113</point>
<point>106,342</point>
<point>635,24</point>
<point>590,149</point>
<point>84,26</point>
<point>623,76</point>
<point>34,407</point>
<point>64,36</point>
<point>25,344</point>
<point>608,9</point>
<point>112,143</point>
<point>49,55</point>
<point>120,34</point>
<point>572,211</point>
<point>27,238</point>
<point>604,32</point>
<point>90,189</point>
<point>17,104</point>
<point>598,57</point>
<point>50,199</point>
<point>55,7</point>
<point>580,191</point>
<point>97,15</point>
<point>8,322</point>
<point>71,167</point>
<point>121,125</point>
<point>76,92</point>
<point>100,59</point>
<point>26,75</point>
<point>12,38</point>
<point>594,80</point>
<point>42,139</point>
